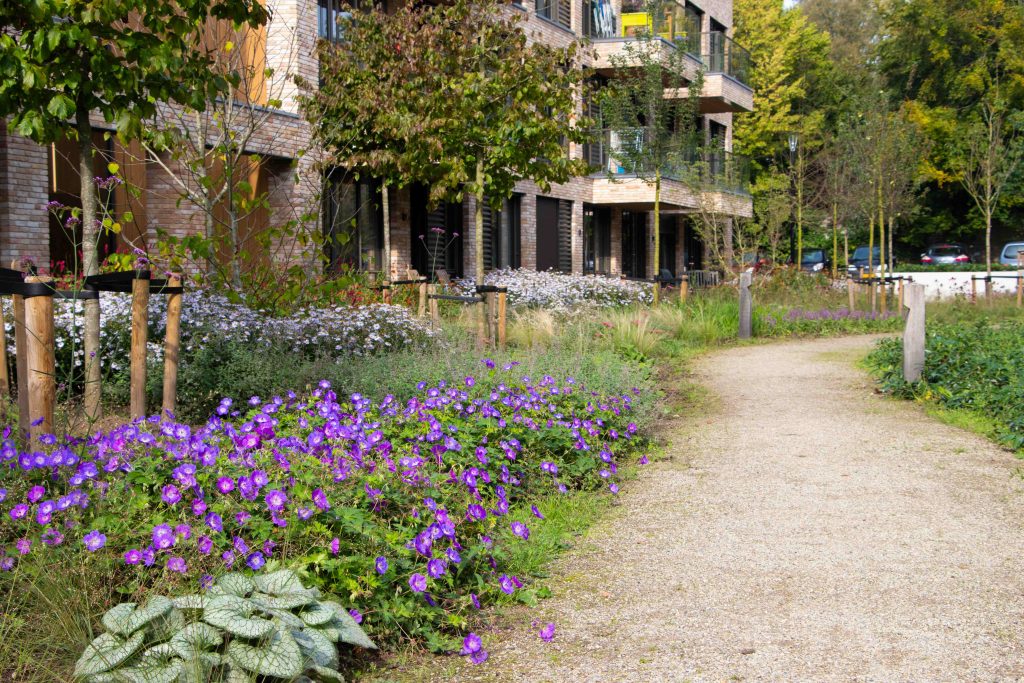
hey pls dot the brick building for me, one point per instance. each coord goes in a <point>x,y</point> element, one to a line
<point>601,223</point>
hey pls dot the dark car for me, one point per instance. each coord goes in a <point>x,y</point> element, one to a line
<point>859,259</point>
<point>945,254</point>
<point>814,261</point>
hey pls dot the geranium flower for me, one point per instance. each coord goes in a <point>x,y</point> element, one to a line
<point>170,494</point>
<point>381,565</point>
<point>276,500</point>
<point>547,633</point>
<point>536,512</point>
<point>255,560</point>
<point>436,568</point>
<point>177,564</point>
<point>163,536</point>
<point>507,585</point>
<point>418,583</point>
<point>132,556</point>
<point>520,530</point>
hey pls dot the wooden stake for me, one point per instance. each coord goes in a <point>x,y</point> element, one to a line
<point>422,312</point>
<point>435,311</point>
<point>21,360</point>
<point>851,292</point>
<point>901,296</point>
<point>746,307</point>
<point>1020,279</point>
<point>42,384</point>
<point>5,378</point>
<point>172,346</point>
<point>684,288</point>
<point>140,337</point>
<point>974,290</point>
<point>914,334</point>
<point>386,290</point>
<point>502,306</point>
<point>492,317</point>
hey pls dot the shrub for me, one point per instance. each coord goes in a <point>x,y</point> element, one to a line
<point>269,626</point>
<point>564,292</point>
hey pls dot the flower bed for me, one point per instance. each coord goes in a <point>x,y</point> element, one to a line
<point>402,509</point>
<point>565,292</point>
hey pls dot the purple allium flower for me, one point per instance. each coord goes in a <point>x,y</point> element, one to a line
<point>335,546</point>
<point>177,564</point>
<point>225,484</point>
<point>436,568</point>
<point>507,585</point>
<point>255,560</point>
<point>382,565</point>
<point>170,494</point>
<point>320,500</point>
<point>536,512</point>
<point>94,540</point>
<point>276,500</point>
<point>418,583</point>
<point>547,633</point>
<point>520,530</point>
<point>132,556</point>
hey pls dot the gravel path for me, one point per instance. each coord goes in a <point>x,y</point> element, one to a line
<point>808,530</point>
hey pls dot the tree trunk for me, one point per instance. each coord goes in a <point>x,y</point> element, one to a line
<point>799,210</point>
<point>835,240</point>
<point>657,233</point>
<point>871,256</point>
<point>478,248</point>
<point>90,264</point>
<point>881,245</point>
<point>988,254</point>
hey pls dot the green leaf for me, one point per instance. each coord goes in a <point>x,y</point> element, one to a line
<point>60,106</point>
<point>236,584</point>
<point>278,656</point>
<point>347,628</point>
<point>195,639</point>
<point>106,652</point>
<point>279,582</point>
<point>234,615</point>
<point>327,675</point>
<point>159,664</point>
<point>187,602</point>
<point>317,614</point>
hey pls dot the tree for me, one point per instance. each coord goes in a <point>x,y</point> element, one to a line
<point>772,209</point>
<point>452,96</point>
<point>989,156</point>
<point>852,26</point>
<point>651,111</point>
<point>62,61</point>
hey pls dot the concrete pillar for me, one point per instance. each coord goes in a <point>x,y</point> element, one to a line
<point>914,333</point>
<point>746,307</point>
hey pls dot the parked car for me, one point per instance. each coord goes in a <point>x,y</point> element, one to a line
<point>859,259</point>
<point>945,254</point>
<point>814,261</point>
<point>1008,256</point>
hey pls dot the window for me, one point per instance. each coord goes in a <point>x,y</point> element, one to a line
<point>634,244</point>
<point>597,231</point>
<point>353,222</point>
<point>501,235</point>
<point>557,11</point>
<point>328,15</point>
<point>598,19</point>
<point>554,234</point>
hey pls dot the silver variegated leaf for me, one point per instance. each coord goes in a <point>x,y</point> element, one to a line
<point>278,655</point>
<point>235,615</point>
<point>349,631</point>
<point>285,601</point>
<point>125,622</point>
<point>326,675</point>
<point>195,639</point>
<point>158,664</point>
<point>236,584</point>
<point>164,627</point>
<point>316,647</point>
<point>282,581</point>
<point>189,601</point>
<point>107,652</point>
<point>317,614</point>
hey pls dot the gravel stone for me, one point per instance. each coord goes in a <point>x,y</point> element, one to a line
<point>807,530</point>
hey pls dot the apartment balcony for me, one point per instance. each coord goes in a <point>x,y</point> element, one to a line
<point>726,75</point>
<point>694,178</point>
<point>611,33</point>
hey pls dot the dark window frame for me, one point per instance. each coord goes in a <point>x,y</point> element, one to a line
<point>339,255</point>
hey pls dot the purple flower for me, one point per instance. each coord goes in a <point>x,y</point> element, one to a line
<point>436,568</point>
<point>507,585</point>
<point>214,521</point>
<point>536,512</point>
<point>520,530</point>
<point>259,478</point>
<point>356,616</point>
<point>547,633</point>
<point>35,493</point>
<point>335,546</point>
<point>276,500</point>
<point>644,460</point>
<point>198,507</point>
<point>170,494</point>
<point>454,556</point>
<point>177,564</point>
<point>205,545</point>
<point>183,531</point>
<point>132,556</point>
<point>163,536</point>
<point>94,540</point>
<point>320,500</point>
<point>382,565</point>
<point>19,511</point>
<point>471,643</point>
<point>255,560</point>
<point>470,381</point>
<point>225,484</point>
<point>423,543</point>
<point>23,545</point>
<point>614,488</point>
<point>206,581</point>
<point>476,512</point>
<point>418,583</point>
<point>475,600</point>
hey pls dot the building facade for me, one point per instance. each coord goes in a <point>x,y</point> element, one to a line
<point>601,223</point>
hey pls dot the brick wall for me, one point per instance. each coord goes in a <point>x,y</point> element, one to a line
<point>24,191</point>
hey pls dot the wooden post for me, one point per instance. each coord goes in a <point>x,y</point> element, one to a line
<point>172,346</point>
<point>502,311</point>
<point>41,365</point>
<point>974,290</point>
<point>1020,279</point>
<point>901,294</point>
<point>140,337</point>
<point>435,312</point>
<point>5,378</point>
<point>913,334</point>
<point>386,292</point>
<point>492,317</point>
<point>684,287</point>
<point>422,311</point>
<point>746,308</point>
<point>21,361</point>
<point>851,292</point>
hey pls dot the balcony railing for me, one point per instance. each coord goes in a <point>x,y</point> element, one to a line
<point>725,56</point>
<point>615,154</point>
<point>674,22</point>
